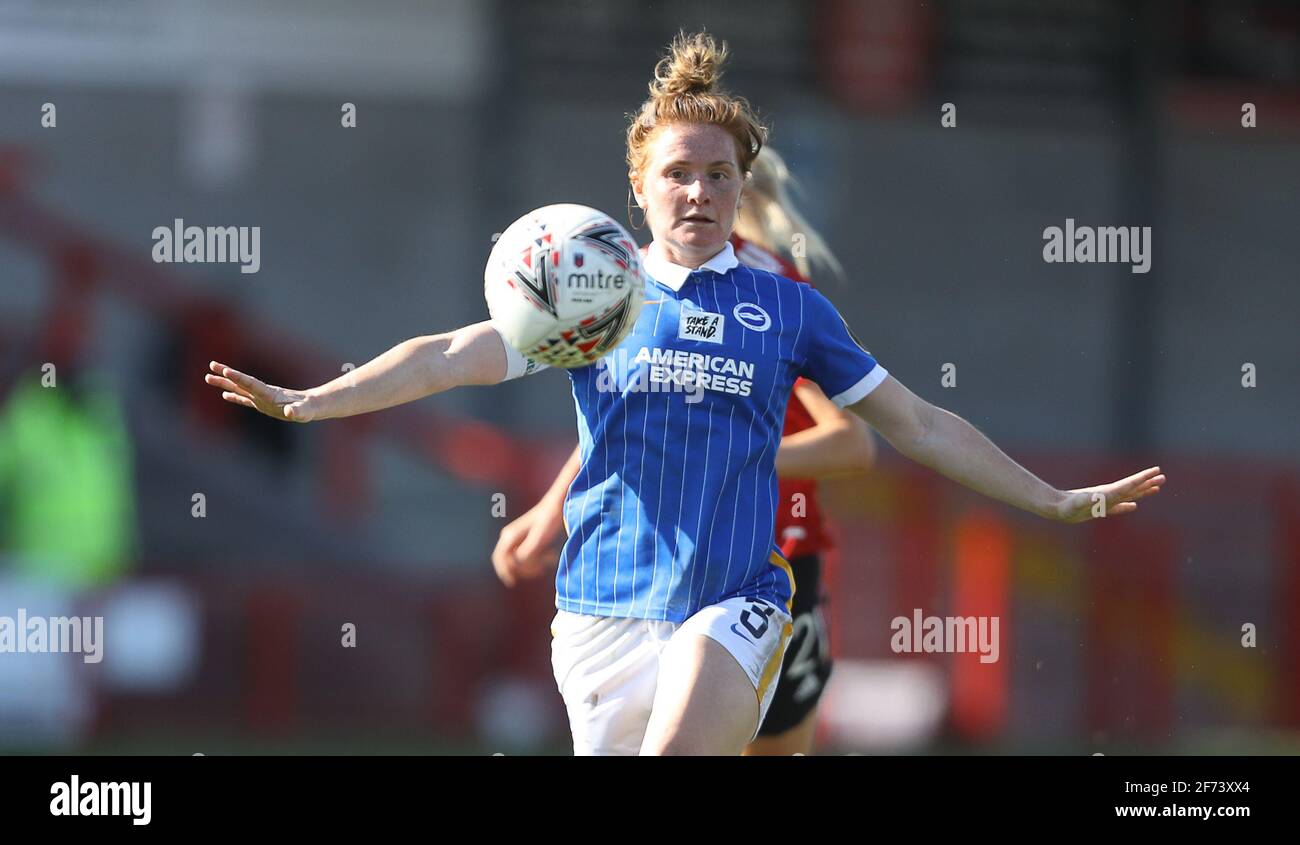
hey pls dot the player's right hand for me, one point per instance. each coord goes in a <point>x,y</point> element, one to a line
<point>243,389</point>
<point>529,546</point>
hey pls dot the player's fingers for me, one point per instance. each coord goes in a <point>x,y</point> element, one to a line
<point>224,384</point>
<point>529,546</point>
<point>239,399</point>
<point>1122,508</point>
<point>1152,482</point>
<point>536,536</point>
<point>499,551</point>
<point>1138,478</point>
<point>223,370</point>
<point>249,384</point>
<point>509,538</point>
<point>504,560</point>
<point>1133,491</point>
<point>504,570</point>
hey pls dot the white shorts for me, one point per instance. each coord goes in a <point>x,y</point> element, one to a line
<point>608,668</point>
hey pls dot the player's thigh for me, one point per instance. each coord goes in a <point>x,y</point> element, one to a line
<point>705,703</point>
<point>716,678</point>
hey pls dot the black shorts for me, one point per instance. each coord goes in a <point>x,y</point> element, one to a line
<point>807,663</point>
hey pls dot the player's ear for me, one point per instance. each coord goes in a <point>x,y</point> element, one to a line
<point>634,179</point>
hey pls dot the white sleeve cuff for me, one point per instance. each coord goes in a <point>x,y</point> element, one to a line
<point>516,364</point>
<point>865,385</point>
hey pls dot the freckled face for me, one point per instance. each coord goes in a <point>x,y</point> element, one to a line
<point>690,190</point>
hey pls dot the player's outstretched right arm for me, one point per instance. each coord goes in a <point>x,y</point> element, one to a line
<point>411,370</point>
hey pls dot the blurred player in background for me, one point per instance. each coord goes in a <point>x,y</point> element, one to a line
<point>819,441</point>
<point>671,627</point>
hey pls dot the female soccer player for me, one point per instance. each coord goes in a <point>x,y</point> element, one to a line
<point>673,601</point>
<point>820,441</point>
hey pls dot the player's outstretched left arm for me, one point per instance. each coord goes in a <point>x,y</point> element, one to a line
<point>948,444</point>
<point>411,370</point>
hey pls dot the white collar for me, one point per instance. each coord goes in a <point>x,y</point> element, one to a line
<point>674,276</point>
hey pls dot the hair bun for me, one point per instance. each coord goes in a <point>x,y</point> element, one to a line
<point>693,66</point>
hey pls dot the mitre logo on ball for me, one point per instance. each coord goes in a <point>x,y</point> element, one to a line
<point>564,284</point>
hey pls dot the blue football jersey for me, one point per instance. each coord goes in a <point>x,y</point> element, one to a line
<point>674,506</point>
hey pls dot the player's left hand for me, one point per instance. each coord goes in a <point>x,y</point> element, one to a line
<point>1120,496</point>
<point>529,546</point>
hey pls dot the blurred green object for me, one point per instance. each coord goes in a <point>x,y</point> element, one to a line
<point>67,502</point>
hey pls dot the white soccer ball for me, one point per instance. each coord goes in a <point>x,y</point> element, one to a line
<point>564,284</point>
